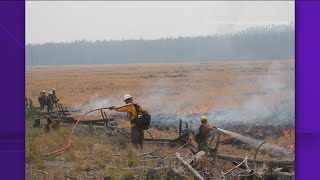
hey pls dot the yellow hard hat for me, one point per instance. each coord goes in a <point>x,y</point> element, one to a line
<point>203,118</point>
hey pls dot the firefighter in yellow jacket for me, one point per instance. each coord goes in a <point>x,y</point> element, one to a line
<point>137,135</point>
<point>202,134</point>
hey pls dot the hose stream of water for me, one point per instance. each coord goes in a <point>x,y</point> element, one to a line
<point>267,147</point>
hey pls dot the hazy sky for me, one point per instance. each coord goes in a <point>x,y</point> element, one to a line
<point>68,21</point>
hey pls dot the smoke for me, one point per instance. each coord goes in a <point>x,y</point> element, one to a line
<point>96,102</point>
<point>157,97</point>
<point>268,101</point>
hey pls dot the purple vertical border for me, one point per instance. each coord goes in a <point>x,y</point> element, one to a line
<point>12,52</point>
<point>12,90</point>
<point>307,89</point>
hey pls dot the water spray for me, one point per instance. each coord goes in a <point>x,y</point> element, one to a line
<point>270,148</point>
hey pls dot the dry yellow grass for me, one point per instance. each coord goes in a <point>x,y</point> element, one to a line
<point>215,85</point>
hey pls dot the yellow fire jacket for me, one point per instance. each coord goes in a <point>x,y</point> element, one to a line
<point>131,111</point>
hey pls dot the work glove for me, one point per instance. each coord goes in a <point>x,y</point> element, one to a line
<point>111,108</point>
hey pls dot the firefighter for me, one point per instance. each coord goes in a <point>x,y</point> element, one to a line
<point>50,101</point>
<point>42,99</point>
<point>54,91</point>
<point>202,134</point>
<point>132,110</point>
<point>55,98</point>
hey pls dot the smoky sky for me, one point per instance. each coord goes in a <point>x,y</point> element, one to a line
<point>60,21</point>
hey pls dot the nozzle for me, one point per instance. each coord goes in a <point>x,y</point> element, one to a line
<point>214,127</point>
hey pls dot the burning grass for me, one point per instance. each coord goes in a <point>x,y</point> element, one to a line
<point>180,89</point>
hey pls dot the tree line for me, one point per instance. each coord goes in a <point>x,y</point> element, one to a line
<point>274,42</point>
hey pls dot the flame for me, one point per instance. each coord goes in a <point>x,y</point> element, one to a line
<point>286,133</point>
<point>198,110</point>
<point>289,132</point>
<point>291,147</point>
<point>204,109</point>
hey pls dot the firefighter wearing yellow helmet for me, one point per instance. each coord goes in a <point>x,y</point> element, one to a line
<point>202,134</point>
<point>203,119</point>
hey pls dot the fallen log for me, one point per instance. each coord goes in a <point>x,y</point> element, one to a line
<point>226,173</point>
<point>251,161</point>
<point>192,149</point>
<point>85,122</point>
<point>188,166</point>
<point>159,139</point>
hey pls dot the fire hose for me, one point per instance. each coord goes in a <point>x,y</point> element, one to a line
<point>81,117</point>
<point>72,132</point>
<point>168,152</point>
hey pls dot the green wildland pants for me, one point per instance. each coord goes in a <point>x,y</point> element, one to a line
<point>137,137</point>
<point>203,146</point>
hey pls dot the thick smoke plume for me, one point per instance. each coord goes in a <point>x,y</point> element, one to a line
<point>270,103</point>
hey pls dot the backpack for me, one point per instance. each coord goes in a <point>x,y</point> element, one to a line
<point>144,119</point>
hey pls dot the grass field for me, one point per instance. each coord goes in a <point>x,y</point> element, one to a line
<point>165,88</point>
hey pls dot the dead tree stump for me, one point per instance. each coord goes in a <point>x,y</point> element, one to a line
<point>36,123</point>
